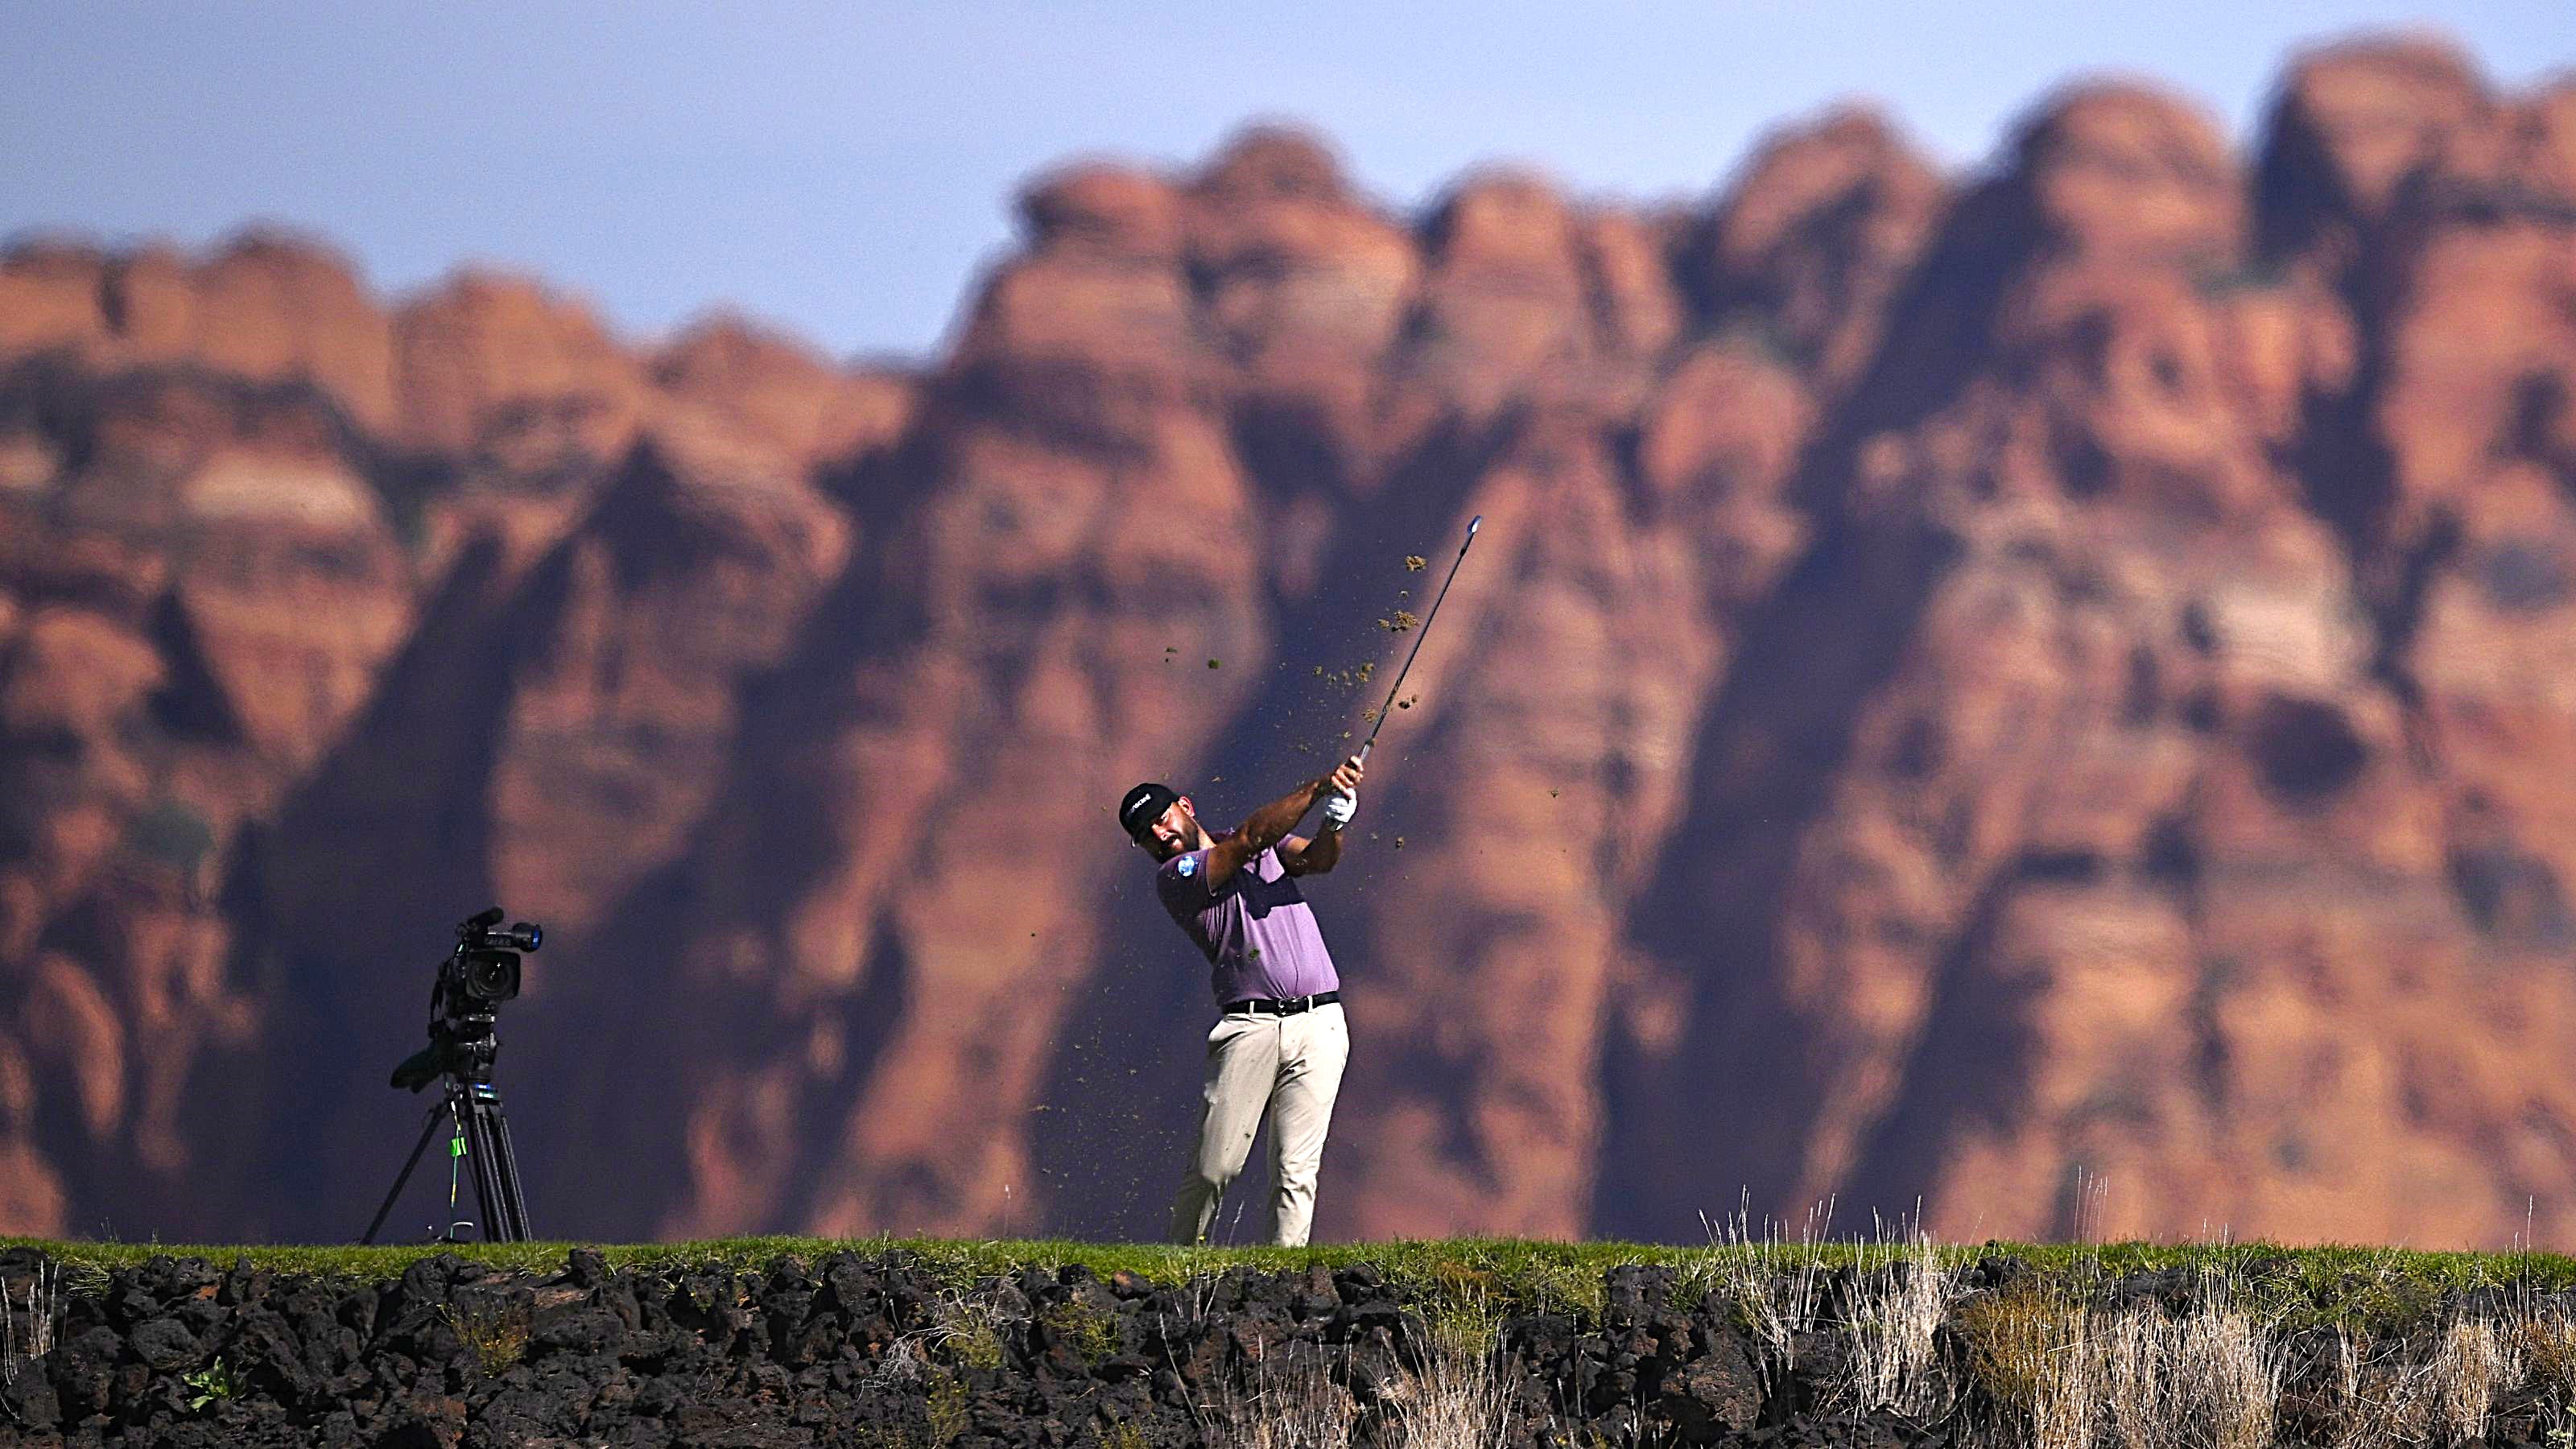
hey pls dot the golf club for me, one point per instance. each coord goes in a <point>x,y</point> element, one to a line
<point>1423,633</point>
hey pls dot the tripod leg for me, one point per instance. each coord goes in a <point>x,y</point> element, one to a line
<point>508,1159</point>
<point>478,1150</point>
<point>496,1170</point>
<point>426,1131</point>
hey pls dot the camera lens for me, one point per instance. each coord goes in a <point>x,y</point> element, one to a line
<point>489,977</point>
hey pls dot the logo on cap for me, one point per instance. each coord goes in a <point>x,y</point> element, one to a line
<point>1144,805</point>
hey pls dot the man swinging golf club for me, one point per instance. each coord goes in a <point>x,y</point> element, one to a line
<point>1280,1041</point>
<point>1280,1044</point>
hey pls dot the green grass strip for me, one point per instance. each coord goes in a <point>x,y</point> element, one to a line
<point>2356,1286</point>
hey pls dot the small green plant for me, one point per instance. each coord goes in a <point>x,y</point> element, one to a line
<point>1464,1324</point>
<point>214,1381</point>
<point>1552,1286</point>
<point>2014,1342</point>
<point>949,1419</point>
<point>495,1333</point>
<point>1090,1333</point>
<point>967,1334</point>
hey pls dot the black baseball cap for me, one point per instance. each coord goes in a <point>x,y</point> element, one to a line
<point>1143,806</point>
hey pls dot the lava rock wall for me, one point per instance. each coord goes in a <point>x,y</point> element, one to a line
<point>1966,684</point>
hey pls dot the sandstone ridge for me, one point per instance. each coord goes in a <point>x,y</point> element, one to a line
<point>1968,685</point>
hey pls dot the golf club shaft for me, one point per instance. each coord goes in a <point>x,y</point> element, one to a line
<point>1419,635</point>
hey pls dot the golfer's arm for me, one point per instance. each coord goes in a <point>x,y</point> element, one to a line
<point>1262,829</point>
<point>1316,856</point>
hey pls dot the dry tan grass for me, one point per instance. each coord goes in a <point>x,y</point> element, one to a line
<point>2391,1393</point>
<point>2040,1360</point>
<point>1775,1306</point>
<point>1301,1408</point>
<point>2545,1337</point>
<point>1458,1402</point>
<point>44,1287</point>
<point>2477,1361</point>
<point>2057,1371</point>
<point>2221,1376</point>
<point>1898,1308</point>
<point>2066,1396</point>
<point>2065,1375</point>
<point>2134,1388</point>
<point>2384,1396</point>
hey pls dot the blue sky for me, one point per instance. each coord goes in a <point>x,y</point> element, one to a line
<point>844,171</point>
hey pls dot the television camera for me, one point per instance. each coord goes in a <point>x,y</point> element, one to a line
<point>464,1008</point>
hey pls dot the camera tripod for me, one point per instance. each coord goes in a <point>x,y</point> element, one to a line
<point>482,1137</point>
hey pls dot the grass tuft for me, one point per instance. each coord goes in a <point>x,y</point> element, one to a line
<point>494,1331</point>
<point>43,1305</point>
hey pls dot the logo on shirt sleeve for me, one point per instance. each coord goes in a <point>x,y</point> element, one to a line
<point>1189,865</point>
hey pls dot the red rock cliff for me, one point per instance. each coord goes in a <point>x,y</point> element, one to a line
<point>1966,684</point>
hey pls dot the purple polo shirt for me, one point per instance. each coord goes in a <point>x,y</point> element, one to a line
<point>1256,929</point>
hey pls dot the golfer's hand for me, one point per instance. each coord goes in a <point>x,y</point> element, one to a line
<point>1339,808</point>
<point>1345,780</point>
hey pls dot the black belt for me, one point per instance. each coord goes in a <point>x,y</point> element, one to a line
<point>1289,1007</point>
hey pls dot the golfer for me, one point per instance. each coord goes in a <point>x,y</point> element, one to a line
<point>1280,1042</point>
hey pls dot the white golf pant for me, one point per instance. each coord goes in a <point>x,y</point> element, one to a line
<point>1289,1066</point>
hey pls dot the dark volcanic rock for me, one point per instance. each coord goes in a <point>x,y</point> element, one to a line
<point>2037,670</point>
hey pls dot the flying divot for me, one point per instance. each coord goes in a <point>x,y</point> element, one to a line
<point>1425,631</point>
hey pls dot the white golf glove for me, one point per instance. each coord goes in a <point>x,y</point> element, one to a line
<point>1339,807</point>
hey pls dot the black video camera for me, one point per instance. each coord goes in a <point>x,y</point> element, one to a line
<point>465,1002</point>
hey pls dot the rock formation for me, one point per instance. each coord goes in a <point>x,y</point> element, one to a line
<point>1970,687</point>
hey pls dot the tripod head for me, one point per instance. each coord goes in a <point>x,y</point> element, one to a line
<point>465,1001</point>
